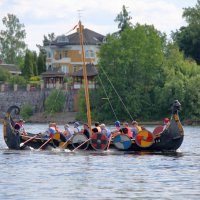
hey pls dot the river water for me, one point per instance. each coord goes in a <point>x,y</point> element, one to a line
<point>82,175</point>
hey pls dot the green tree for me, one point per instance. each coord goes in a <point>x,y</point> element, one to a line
<point>4,75</point>
<point>133,63</point>
<point>27,70</point>
<point>35,67</point>
<point>55,102</point>
<point>188,37</point>
<point>124,19</point>
<point>41,63</point>
<point>49,38</point>
<point>20,80</point>
<point>27,111</point>
<point>192,100</point>
<point>12,45</point>
<point>179,75</point>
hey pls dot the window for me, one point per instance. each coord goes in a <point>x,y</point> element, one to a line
<point>64,69</point>
<point>89,54</point>
<point>65,54</point>
<point>49,54</point>
<point>75,68</point>
<point>62,38</point>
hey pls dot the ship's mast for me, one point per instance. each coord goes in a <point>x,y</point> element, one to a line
<point>85,78</point>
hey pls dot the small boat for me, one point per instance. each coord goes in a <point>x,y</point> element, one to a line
<point>162,138</point>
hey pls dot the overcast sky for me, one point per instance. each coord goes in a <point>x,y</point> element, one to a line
<point>41,17</point>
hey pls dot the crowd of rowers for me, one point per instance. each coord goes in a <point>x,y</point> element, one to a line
<point>98,128</point>
<point>124,128</point>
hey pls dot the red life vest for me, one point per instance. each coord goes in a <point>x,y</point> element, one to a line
<point>130,134</point>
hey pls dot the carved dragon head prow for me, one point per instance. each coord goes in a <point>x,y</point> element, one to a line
<point>176,107</point>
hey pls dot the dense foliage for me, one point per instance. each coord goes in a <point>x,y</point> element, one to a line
<point>124,19</point>
<point>26,111</point>
<point>27,70</point>
<point>4,75</point>
<point>33,65</point>
<point>41,66</point>
<point>19,80</point>
<point>133,63</point>
<point>188,37</point>
<point>55,102</point>
<point>142,74</point>
<point>12,45</point>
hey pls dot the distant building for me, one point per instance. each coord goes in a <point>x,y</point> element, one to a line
<point>65,51</point>
<point>52,78</point>
<point>78,79</point>
<point>13,69</point>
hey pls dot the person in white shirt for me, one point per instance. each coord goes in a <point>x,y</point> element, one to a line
<point>67,132</point>
<point>77,129</point>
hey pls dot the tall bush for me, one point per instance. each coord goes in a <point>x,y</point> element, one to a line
<point>55,102</point>
<point>19,80</point>
<point>26,111</point>
<point>4,75</point>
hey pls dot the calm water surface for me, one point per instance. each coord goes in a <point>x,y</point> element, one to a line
<point>82,175</point>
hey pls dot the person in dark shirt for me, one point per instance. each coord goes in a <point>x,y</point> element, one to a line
<point>86,131</point>
<point>20,127</point>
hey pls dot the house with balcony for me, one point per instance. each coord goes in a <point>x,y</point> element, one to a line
<point>64,54</point>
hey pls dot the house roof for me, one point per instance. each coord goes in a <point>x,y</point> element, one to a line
<point>55,72</point>
<point>91,71</point>
<point>13,69</point>
<point>90,38</point>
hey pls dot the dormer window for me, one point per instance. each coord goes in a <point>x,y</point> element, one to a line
<point>62,38</point>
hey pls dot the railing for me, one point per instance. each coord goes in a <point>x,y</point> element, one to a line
<point>42,86</point>
<point>78,86</point>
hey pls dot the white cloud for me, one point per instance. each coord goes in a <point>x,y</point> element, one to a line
<point>58,16</point>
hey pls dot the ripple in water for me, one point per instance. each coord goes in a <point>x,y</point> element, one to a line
<point>92,175</point>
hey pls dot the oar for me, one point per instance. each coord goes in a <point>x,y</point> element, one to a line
<point>81,144</point>
<point>109,142</point>
<point>63,146</point>
<point>45,143</point>
<point>23,143</point>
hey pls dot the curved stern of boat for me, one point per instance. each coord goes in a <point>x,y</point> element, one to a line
<point>11,136</point>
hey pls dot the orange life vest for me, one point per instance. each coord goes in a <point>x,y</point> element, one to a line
<point>139,128</point>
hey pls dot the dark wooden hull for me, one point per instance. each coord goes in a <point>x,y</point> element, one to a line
<point>169,140</point>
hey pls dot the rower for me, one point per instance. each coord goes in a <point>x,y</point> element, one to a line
<point>135,129</point>
<point>20,127</point>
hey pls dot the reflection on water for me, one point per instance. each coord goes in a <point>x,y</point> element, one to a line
<point>101,175</point>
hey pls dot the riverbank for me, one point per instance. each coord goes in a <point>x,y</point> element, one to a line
<point>67,117</point>
<point>70,117</point>
<point>59,118</point>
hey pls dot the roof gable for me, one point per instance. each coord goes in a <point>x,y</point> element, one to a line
<point>13,69</point>
<point>90,68</point>
<point>90,38</point>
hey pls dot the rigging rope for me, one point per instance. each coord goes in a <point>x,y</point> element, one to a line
<point>85,42</point>
<point>71,29</point>
<point>108,98</point>
<point>117,94</point>
<point>55,101</point>
<point>114,90</point>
